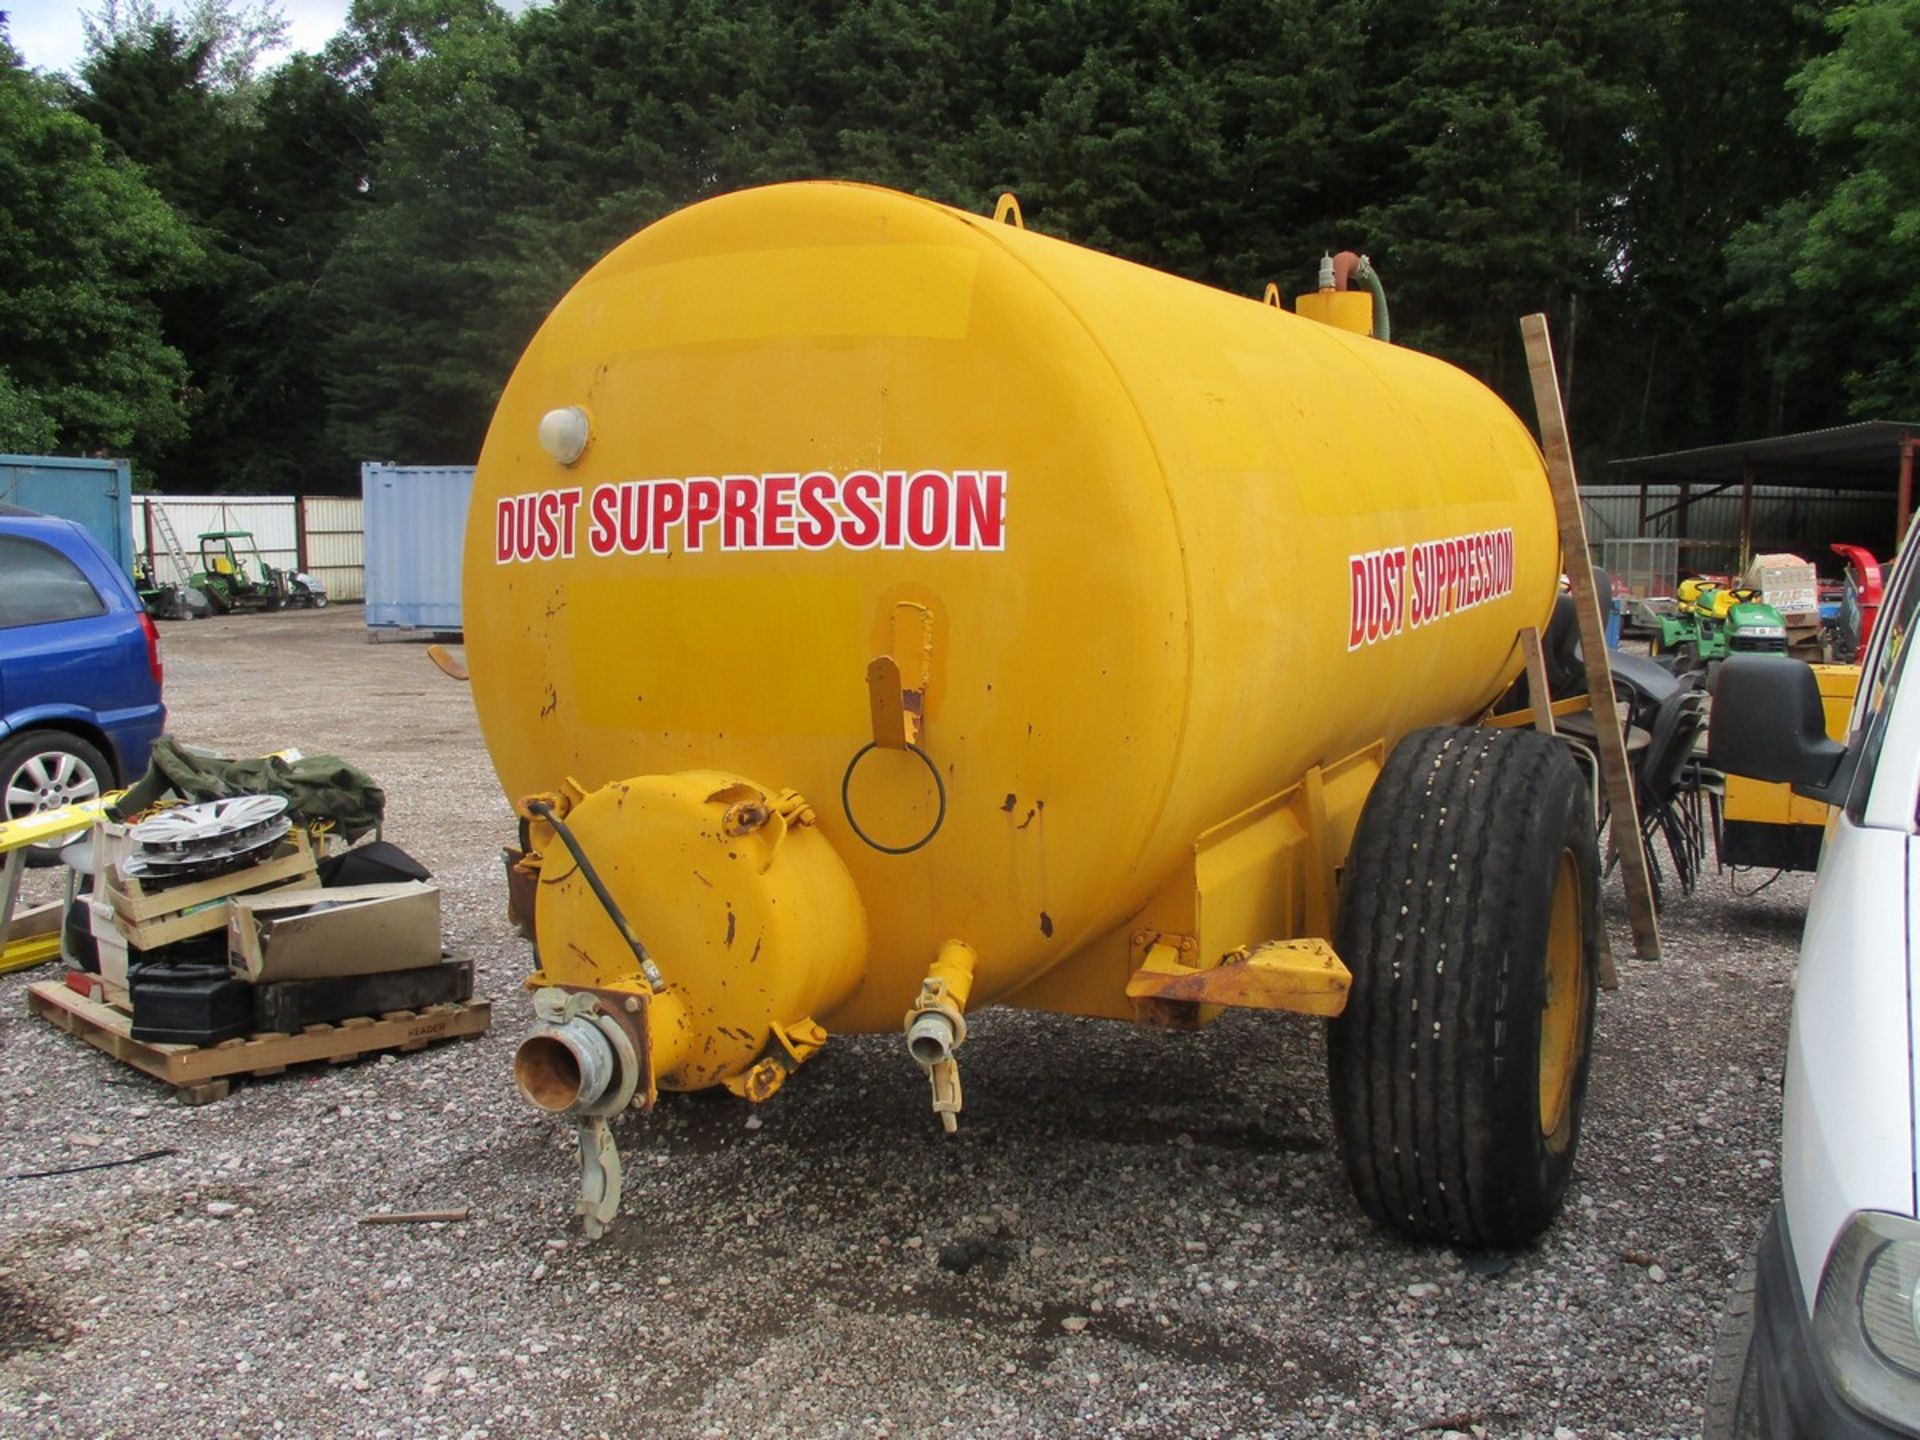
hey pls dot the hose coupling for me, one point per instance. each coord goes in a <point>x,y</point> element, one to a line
<point>580,1062</point>
<point>936,1027</point>
<point>577,1060</point>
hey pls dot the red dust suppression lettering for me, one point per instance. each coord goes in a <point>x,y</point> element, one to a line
<point>538,526</point>
<point>800,510</point>
<point>1406,586</point>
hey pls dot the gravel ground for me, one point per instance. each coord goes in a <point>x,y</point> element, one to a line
<point>1132,1233</point>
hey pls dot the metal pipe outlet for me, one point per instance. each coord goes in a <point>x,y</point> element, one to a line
<point>564,1067</point>
<point>931,1038</point>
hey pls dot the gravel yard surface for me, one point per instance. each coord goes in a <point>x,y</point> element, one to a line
<point>1132,1234</point>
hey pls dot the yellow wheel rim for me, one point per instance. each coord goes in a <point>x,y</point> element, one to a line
<point>1560,1019</point>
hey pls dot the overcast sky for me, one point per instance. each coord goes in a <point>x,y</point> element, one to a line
<point>48,33</point>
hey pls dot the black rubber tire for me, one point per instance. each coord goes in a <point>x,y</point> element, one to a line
<point>1733,1384</point>
<point>19,751</point>
<point>1434,1066</point>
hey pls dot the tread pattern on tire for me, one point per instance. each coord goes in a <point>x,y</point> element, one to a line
<point>1445,905</point>
<point>1730,1382</point>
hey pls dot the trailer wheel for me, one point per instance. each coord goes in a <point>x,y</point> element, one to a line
<point>1470,918</point>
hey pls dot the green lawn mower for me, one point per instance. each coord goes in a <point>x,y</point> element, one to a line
<point>223,577</point>
<point>1711,622</point>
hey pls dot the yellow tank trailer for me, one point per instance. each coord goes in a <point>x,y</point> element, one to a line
<point>878,611</point>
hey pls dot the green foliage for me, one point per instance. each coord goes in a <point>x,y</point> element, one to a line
<point>1498,143</point>
<point>431,295</point>
<point>1835,266</point>
<point>269,191</point>
<point>364,240</point>
<point>87,252</point>
<point>235,36</point>
<point>1711,150</point>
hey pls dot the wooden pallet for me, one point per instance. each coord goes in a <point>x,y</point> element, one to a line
<point>201,1073</point>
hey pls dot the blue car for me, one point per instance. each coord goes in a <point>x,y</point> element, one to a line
<point>80,671</point>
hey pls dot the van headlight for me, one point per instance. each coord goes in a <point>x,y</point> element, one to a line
<point>1866,1323</point>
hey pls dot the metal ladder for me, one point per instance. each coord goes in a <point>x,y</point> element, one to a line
<point>171,540</point>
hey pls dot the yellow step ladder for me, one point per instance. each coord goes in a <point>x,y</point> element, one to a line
<point>33,937</point>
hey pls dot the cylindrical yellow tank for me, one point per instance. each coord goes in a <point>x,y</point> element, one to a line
<point>1150,550</point>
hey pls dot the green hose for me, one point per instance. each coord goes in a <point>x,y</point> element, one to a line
<point>1367,275</point>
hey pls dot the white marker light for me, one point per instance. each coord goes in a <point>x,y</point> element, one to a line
<point>564,433</point>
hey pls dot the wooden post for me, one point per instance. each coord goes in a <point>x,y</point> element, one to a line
<point>1537,689</point>
<point>1906,490</point>
<point>1615,776</point>
<point>1746,520</point>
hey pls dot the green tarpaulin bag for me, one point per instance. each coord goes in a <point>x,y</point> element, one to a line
<point>322,791</point>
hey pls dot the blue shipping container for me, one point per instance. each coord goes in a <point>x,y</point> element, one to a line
<point>415,521</point>
<point>96,494</point>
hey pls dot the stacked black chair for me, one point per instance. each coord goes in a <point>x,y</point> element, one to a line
<point>1669,787</point>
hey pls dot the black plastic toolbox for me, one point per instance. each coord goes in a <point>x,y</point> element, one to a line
<point>188,1003</point>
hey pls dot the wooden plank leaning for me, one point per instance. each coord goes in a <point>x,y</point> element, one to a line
<point>1615,776</point>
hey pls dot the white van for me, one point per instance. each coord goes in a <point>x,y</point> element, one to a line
<point>1822,1336</point>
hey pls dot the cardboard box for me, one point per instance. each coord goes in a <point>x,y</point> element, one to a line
<point>1787,583</point>
<point>312,934</point>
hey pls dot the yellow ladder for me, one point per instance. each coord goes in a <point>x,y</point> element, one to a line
<point>33,938</point>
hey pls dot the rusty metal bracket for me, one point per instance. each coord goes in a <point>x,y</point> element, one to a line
<point>898,681</point>
<point>792,806</point>
<point>897,712</point>
<point>788,1048</point>
<point>1149,1011</point>
<point>1304,976</point>
<point>523,881</point>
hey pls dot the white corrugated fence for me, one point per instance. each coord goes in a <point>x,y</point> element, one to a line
<point>320,534</point>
